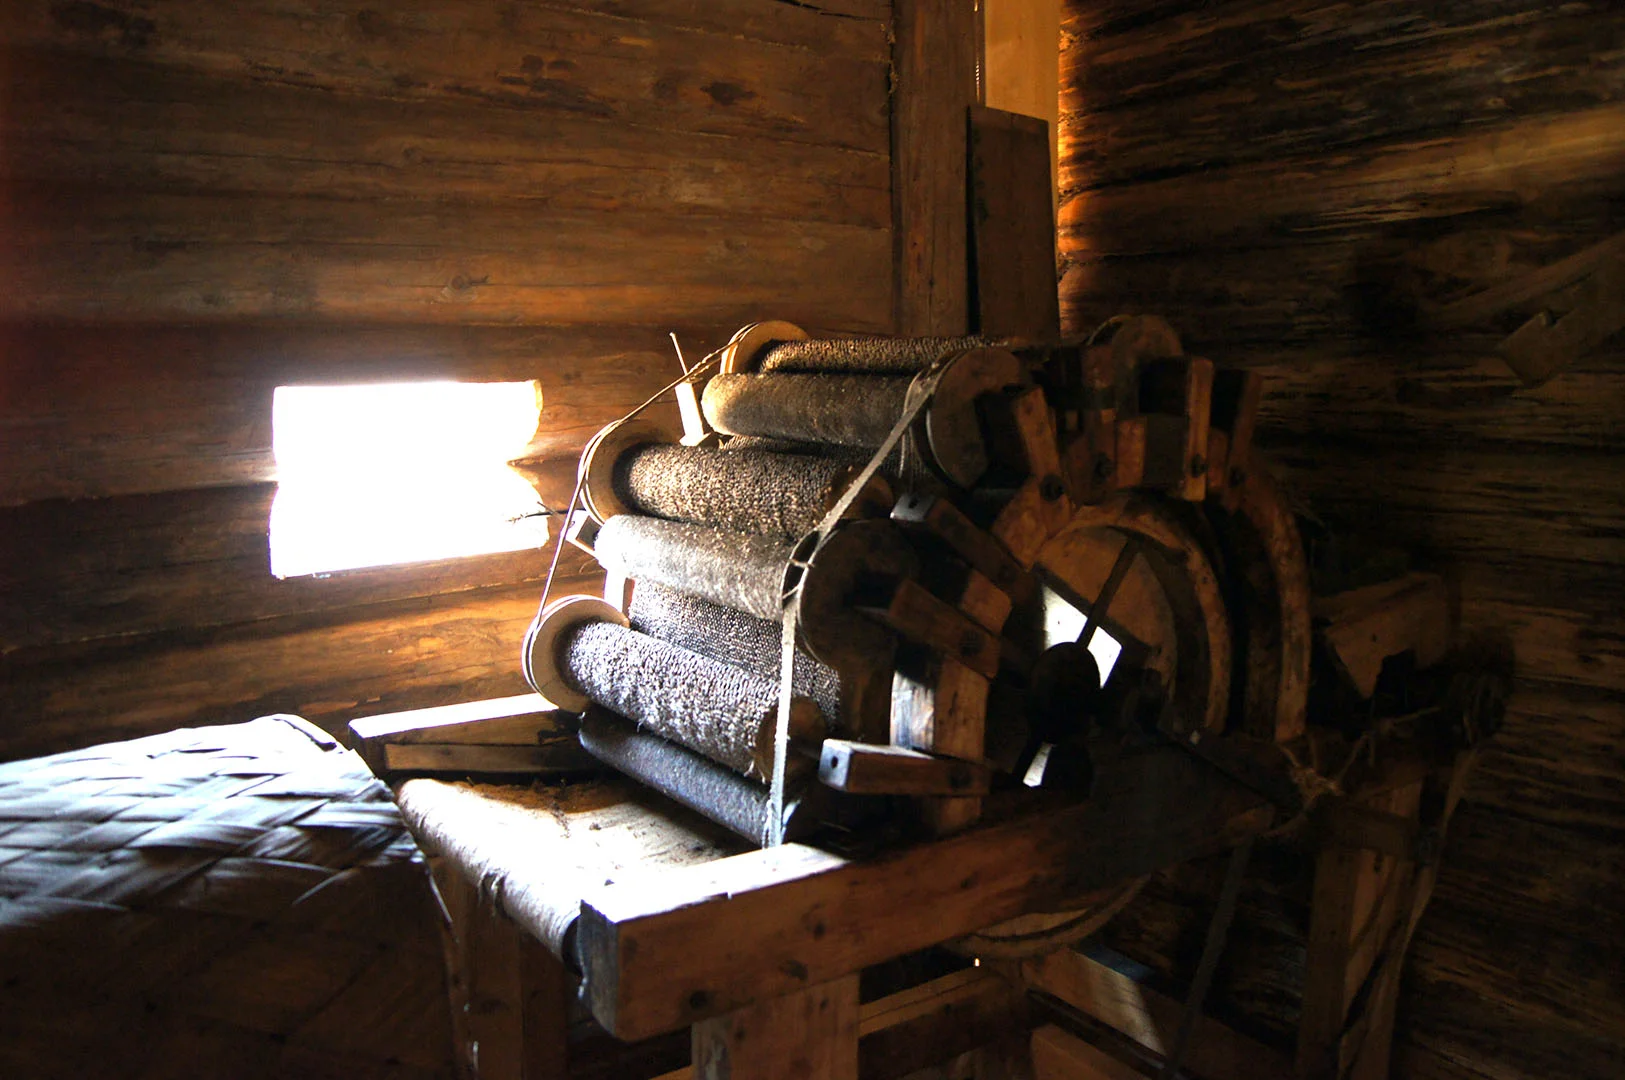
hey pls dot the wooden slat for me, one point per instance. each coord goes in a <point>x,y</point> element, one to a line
<point>1061,1055</point>
<point>934,63</point>
<point>113,122</point>
<point>651,71</point>
<point>84,253</point>
<point>715,937</point>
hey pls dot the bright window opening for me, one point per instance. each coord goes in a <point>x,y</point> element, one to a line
<point>1063,622</point>
<point>401,472</point>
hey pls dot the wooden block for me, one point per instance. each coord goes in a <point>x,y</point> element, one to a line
<point>708,939</point>
<point>980,549</point>
<point>1012,227</point>
<point>922,617</point>
<point>870,769</point>
<point>1130,456</point>
<point>1367,626</point>
<point>809,1034</point>
<point>523,734</point>
<point>1060,1055</point>
<point>1198,407</point>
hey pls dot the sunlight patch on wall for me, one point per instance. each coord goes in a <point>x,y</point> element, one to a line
<point>389,473</point>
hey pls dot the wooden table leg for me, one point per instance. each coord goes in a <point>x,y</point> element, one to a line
<point>808,1035</point>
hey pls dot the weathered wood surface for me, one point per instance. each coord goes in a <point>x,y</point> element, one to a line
<point>194,560</point>
<point>935,64</point>
<point>325,667</point>
<point>675,66</point>
<point>163,257</point>
<point>1301,189</point>
<point>200,203</point>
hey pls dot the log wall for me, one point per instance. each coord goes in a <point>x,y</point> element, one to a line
<point>200,202</point>
<point>1299,186</point>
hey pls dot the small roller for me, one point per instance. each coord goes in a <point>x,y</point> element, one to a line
<point>584,654</point>
<point>695,781</point>
<point>725,567</point>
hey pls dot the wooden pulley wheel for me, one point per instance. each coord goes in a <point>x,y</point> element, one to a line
<point>1046,931</point>
<point>739,356</point>
<point>1130,567</point>
<point>596,473</point>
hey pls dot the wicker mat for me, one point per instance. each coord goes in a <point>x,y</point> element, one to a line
<point>236,901</point>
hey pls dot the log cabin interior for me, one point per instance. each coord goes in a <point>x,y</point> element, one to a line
<point>922,329</point>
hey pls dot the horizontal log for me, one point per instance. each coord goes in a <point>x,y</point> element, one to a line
<point>1424,398</point>
<point>829,88</point>
<point>119,123</point>
<point>406,655</point>
<point>1553,762</point>
<point>94,254</point>
<point>1262,81</point>
<point>189,561</point>
<point>127,408</point>
<point>1394,184</point>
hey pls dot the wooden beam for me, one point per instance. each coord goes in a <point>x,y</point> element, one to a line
<point>934,65</point>
<point>712,938</point>
<point>810,1034</point>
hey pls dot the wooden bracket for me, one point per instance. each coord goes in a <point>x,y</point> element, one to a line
<point>869,769</point>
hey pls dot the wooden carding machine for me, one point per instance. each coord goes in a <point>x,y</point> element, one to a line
<point>883,575</point>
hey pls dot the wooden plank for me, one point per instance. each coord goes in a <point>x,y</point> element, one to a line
<point>933,60</point>
<point>1367,626</point>
<point>557,758</point>
<point>869,768</point>
<point>170,257</point>
<point>652,71</point>
<point>404,655</point>
<point>1012,227</point>
<point>809,1034</point>
<point>120,123</point>
<point>1151,1018</point>
<point>921,617</point>
<point>125,408</point>
<point>715,937</point>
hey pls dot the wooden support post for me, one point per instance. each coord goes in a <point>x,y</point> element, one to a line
<point>509,995</point>
<point>1358,895</point>
<point>934,60</point>
<point>810,1034</point>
